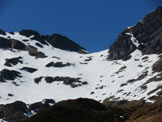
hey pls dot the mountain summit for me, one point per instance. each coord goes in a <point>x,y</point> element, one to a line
<point>56,40</point>
<point>145,36</point>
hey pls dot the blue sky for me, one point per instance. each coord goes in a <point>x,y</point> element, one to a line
<point>94,24</point>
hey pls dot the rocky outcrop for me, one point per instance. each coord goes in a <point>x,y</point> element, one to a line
<point>58,64</point>
<point>13,61</point>
<point>14,112</point>
<point>122,47</point>
<point>64,43</point>
<point>37,80</point>
<point>29,69</point>
<point>29,33</point>
<point>148,36</point>
<point>2,32</point>
<point>55,40</point>
<point>33,51</point>
<point>157,66</point>
<point>40,106</point>
<point>73,82</point>
<point>34,36</point>
<point>6,74</point>
<point>7,43</point>
<point>19,111</point>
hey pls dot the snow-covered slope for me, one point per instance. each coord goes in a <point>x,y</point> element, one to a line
<point>78,75</point>
<point>35,67</point>
<point>2,120</point>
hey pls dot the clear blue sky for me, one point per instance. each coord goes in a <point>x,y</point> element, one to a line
<point>94,24</point>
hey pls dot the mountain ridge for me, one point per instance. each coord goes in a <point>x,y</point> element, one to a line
<point>146,36</point>
<point>56,40</point>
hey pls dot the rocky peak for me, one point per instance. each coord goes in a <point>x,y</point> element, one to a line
<point>145,36</point>
<point>56,40</point>
<point>29,33</point>
<point>2,32</point>
<point>62,42</point>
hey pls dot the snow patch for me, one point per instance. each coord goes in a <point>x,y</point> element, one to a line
<point>133,39</point>
<point>1,120</point>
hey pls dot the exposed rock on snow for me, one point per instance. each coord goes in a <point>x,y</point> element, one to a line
<point>147,32</point>
<point>13,61</point>
<point>19,111</point>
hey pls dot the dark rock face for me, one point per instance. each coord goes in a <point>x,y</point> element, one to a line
<point>14,112</point>
<point>39,45</point>
<point>34,52</point>
<point>157,66</point>
<point>19,111</point>
<point>2,79</point>
<point>64,43</point>
<point>37,80</point>
<point>29,69</point>
<point>36,35</point>
<point>25,40</point>
<point>13,61</point>
<point>6,43</point>
<point>28,33</point>
<point>2,32</point>
<point>79,110</point>
<point>73,82</point>
<point>58,64</point>
<point>9,74</point>
<point>122,47</point>
<point>148,33</point>
<point>55,40</point>
<point>12,33</point>
<point>39,106</point>
<point>49,79</point>
<point>19,45</point>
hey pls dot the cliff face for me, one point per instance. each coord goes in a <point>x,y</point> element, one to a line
<point>145,36</point>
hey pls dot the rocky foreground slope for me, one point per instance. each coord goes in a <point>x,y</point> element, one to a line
<point>87,110</point>
<point>34,67</point>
